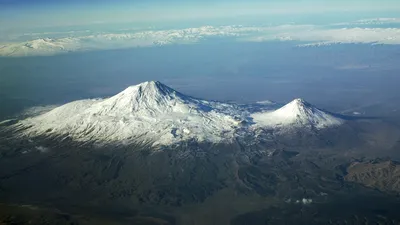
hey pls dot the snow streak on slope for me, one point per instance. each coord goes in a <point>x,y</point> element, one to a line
<point>297,113</point>
<point>152,112</point>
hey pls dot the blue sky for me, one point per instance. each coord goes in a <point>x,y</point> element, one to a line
<point>44,13</point>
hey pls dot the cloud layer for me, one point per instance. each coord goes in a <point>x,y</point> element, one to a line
<point>312,34</point>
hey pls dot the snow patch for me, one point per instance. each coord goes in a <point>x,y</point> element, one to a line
<point>42,149</point>
<point>304,201</point>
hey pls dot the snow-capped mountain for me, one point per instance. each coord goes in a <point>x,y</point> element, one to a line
<point>148,112</point>
<point>153,112</point>
<point>297,113</point>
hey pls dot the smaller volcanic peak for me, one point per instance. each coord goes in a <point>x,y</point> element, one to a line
<point>298,112</point>
<point>296,108</point>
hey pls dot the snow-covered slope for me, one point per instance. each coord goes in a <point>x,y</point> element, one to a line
<point>146,112</point>
<point>152,112</point>
<point>297,113</point>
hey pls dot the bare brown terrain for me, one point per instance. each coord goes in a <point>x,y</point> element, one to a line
<point>384,176</point>
<point>310,177</point>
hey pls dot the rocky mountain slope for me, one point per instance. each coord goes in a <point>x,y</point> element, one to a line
<point>384,175</point>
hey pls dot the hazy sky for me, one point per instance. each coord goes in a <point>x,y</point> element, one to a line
<point>16,14</point>
<point>208,44</point>
<point>48,27</point>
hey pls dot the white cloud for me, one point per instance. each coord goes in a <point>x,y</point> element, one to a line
<point>350,35</point>
<point>49,46</point>
<point>323,36</point>
<point>304,201</point>
<point>315,35</point>
<point>372,21</point>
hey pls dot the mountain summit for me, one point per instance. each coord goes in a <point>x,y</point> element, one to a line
<point>147,112</point>
<point>153,112</point>
<point>149,98</point>
<point>298,113</point>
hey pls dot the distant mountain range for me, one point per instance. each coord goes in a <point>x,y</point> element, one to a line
<point>152,112</point>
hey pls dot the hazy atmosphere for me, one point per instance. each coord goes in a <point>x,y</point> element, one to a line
<point>341,54</point>
<point>199,112</point>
